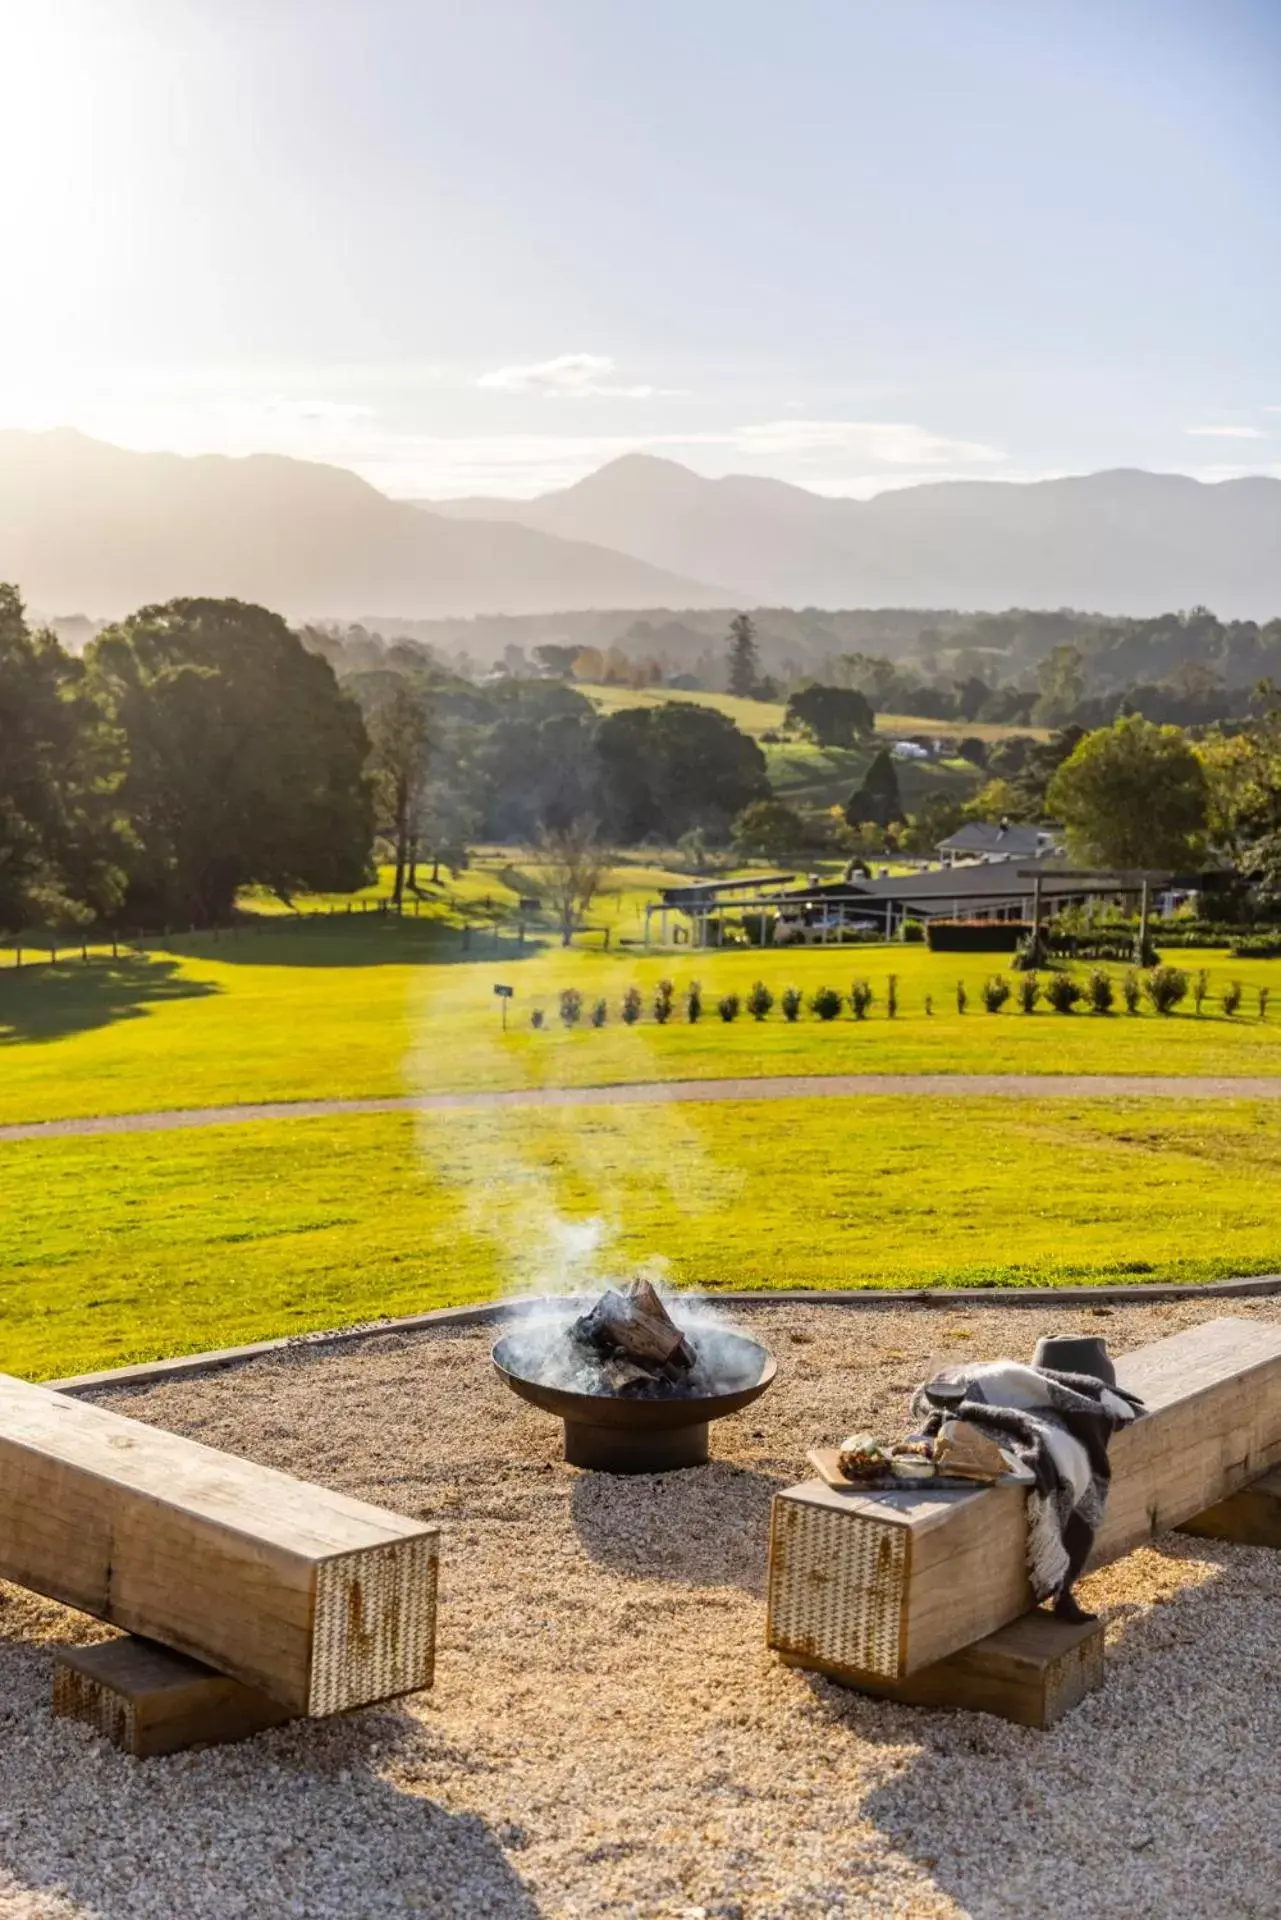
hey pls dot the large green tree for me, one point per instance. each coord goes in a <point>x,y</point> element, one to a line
<point>770,830</point>
<point>60,767</point>
<point>832,716</point>
<point>245,762</point>
<point>1133,795</point>
<point>665,770</point>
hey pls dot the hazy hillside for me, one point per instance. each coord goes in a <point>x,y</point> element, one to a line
<point>87,527</point>
<point>1127,541</point>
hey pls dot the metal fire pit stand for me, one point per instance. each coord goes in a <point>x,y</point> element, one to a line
<point>616,1434</point>
<point>622,1450</point>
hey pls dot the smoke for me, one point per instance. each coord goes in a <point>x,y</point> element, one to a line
<point>538,1346</point>
<point>563,1200</point>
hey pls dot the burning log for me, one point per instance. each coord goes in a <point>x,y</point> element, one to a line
<point>634,1332</point>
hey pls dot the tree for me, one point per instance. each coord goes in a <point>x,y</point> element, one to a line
<point>875,677</point>
<point>61,763</point>
<point>935,820</point>
<point>743,656</point>
<point>1031,764</point>
<point>555,660</point>
<point>770,829</point>
<point>445,824</point>
<point>574,863</point>
<point>1243,773</point>
<point>246,764</point>
<point>399,748</point>
<point>832,716</point>
<point>998,800</point>
<point>1060,681</point>
<point>664,770</point>
<point>1133,795</point>
<point>877,801</point>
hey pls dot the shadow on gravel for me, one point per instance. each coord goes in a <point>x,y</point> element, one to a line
<point>325,1817</point>
<point>43,1002</point>
<point>1142,1802</point>
<point>702,1526</point>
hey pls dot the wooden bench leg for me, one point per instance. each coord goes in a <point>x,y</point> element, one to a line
<point>1032,1672</point>
<point>147,1700</point>
<point>1252,1518</point>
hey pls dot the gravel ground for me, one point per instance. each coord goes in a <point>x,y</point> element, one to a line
<point>607,1735</point>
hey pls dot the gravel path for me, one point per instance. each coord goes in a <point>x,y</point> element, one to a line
<point>607,1735</point>
<point>796,1086</point>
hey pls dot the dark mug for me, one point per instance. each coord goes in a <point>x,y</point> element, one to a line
<point>1075,1353</point>
<point>944,1393</point>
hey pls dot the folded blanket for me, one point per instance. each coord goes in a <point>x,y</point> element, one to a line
<point>1056,1424</point>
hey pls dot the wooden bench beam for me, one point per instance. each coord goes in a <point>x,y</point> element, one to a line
<point>1251,1518</point>
<point>1031,1672</point>
<point>884,1584</point>
<point>147,1700</point>
<point>321,1601</point>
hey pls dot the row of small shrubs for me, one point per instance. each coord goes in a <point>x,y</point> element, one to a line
<point>825,1002</point>
<point>1164,987</point>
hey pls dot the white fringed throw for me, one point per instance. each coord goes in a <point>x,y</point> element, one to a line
<point>1056,1424</point>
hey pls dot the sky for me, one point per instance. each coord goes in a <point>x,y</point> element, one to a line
<point>483,246</point>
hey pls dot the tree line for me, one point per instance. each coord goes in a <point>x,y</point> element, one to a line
<point>201,746</point>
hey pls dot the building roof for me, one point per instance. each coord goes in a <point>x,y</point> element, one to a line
<point>967,890</point>
<point>982,836</point>
<point>701,893</point>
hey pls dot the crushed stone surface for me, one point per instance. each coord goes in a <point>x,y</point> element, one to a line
<point>607,1734</point>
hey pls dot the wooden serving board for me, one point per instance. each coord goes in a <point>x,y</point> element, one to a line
<point>826,1462</point>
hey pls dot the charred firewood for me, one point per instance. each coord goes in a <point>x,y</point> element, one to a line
<point>636,1325</point>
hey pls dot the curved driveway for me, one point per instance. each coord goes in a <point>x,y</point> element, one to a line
<point>936,1086</point>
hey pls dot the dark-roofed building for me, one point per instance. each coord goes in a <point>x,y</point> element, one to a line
<point>983,841</point>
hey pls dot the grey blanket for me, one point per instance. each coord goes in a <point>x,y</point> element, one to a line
<point>1058,1425</point>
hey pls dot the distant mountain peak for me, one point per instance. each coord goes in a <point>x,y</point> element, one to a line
<point>85,525</point>
<point>1125,540</point>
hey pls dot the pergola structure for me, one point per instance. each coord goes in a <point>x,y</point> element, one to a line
<point>700,901</point>
<point>1004,891</point>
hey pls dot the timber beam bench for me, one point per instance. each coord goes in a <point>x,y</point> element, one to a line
<point>908,1594</point>
<point>147,1700</point>
<point>314,1600</point>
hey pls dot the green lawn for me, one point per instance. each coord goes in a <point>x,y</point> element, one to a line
<point>332,1009</point>
<point>750,716</point>
<point>764,716</point>
<point>127,1248</point>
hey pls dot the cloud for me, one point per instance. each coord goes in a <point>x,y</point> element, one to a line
<point>577,376</point>
<point>1228,433</point>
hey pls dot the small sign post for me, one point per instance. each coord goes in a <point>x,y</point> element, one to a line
<point>504,994</point>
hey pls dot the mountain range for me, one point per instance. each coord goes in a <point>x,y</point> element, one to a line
<point>90,528</point>
<point>1119,542</point>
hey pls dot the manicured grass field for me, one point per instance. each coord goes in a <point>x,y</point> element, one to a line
<point>133,1247</point>
<point>336,1009</point>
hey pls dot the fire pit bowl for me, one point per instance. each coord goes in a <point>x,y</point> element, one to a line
<point>619,1433</point>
